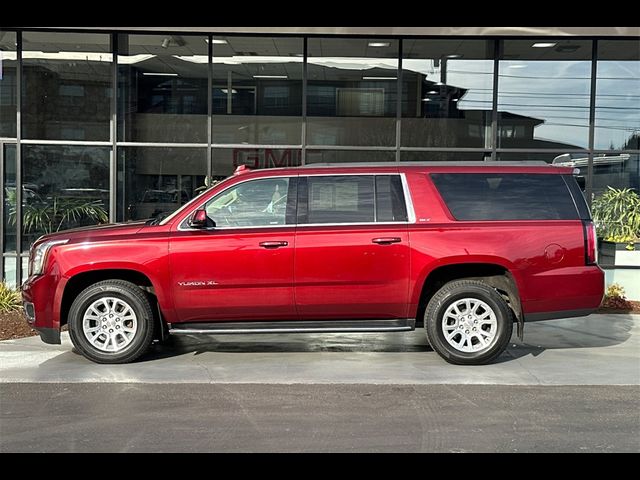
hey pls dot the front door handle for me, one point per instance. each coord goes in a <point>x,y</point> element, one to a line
<point>274,245</point>
<point>387,241</point>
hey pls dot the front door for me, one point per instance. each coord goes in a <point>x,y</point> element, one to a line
<point>243,268</point>
<point>352,248</point>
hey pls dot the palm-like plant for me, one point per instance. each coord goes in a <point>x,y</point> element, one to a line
<point>617,215</point>
<point>60,214</point>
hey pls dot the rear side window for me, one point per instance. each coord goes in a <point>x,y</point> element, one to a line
<point>351,199</point>
<point>481,197</point>
<point>348,199</point>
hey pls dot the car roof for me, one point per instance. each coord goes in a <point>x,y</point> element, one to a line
<point>430,167</point>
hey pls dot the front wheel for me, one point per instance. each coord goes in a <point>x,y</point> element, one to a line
<point>112,322</point>
<point>468,323</point>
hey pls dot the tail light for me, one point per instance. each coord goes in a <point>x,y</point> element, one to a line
<point>591,243</point>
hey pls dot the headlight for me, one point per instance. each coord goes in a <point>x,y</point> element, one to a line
<point>39,256</point>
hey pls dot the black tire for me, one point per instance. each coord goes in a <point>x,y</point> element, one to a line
<point>138,302</point>
<point>463,289</point>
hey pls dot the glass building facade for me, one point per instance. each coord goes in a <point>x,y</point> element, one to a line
<point>106,126</point>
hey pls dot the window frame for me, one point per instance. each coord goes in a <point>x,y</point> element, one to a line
<point>303,200</point>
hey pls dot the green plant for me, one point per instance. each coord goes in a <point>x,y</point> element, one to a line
<point>617,216</point>
<point>60,214</point>
<point>10,300</point>
<point>615,298</point>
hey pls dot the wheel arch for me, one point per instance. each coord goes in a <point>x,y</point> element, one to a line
<point>496,275</point>
<point>81,281</point>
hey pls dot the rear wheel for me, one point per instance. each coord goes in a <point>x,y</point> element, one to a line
<point>112,322</point>
<point>468,323</point>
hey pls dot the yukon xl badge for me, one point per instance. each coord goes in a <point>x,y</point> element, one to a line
<point>198,284</point>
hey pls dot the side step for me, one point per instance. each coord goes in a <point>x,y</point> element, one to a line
<point>329,326</point>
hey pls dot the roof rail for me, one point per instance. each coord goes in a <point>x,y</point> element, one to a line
<point>429,164</point>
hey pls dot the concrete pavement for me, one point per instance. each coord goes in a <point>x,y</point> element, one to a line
<point>596,350</point>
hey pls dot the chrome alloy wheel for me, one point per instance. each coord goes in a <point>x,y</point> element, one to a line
<point>110,325</point>
<point>470,325</point>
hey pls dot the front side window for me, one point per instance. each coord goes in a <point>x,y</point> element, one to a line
<point>258,203</point>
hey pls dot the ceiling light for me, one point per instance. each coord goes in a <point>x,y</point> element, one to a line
<point>272,77</point>
<point>433,92</point>
<point>226,91</point>
<point>454,56</point>
<point>379,78</point>
<point>151,74</point>
<point>216,41</point>
<point>455,99</point>
<point>379,44</point>
<point>544,45</point>
<point>427,100</point>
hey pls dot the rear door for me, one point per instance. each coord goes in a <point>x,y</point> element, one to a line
<point>352,247</point>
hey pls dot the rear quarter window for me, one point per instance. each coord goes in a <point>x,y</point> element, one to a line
<point>484,197</point>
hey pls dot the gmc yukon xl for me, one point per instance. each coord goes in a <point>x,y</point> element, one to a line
<point>470,251</point>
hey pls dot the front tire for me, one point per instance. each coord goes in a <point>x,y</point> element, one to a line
<point>112,322</point>
<point>468,323</point>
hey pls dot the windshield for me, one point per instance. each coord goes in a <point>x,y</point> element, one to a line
<point>166,218</point>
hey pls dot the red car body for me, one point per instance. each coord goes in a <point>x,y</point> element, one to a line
<point>324,272</point>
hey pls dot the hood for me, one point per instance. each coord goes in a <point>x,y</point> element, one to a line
<point>98,232</point>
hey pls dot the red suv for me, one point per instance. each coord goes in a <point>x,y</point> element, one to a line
<point>470,250</point>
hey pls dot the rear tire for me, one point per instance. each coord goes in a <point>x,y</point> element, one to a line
<point>112,323</point>
<point>468,323</point>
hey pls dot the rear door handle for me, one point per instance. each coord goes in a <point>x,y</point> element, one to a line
<point>274,245</point>
<point>387,241</point>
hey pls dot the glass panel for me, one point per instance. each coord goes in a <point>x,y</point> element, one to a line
<point>64,187</point>
<point>10,276</point>
<point>348,199</point>
<point>579,161</point>
<point>8,84</point>
<point>66,86</point>
<point>480,197</point>
<point>616,170</point>
<point>445,156</point>
<point>543,96</point>
<point>352,92</point>
<point>348,156</point>
<point>257,90</point>
<point>447,93</point>
<point>162,88</point>
<point>262,203</point>
<point>9,185</point>
<point>225,161</point>
<point>157,181</point>
<point>618,96</point>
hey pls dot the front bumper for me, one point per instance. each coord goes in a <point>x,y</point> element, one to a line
<point>39,295</point>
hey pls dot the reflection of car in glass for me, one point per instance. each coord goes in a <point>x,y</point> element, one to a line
<point>581,163</point>
<point>468,250</point>
<point>157,202</point>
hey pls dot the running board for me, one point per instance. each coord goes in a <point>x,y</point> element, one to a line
<point>329,326</point>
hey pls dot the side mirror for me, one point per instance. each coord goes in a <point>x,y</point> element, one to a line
<point>201,221</point>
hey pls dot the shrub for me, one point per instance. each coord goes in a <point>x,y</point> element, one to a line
<point>10,300</point>
<point>617,216</point>
<point>615,298</point>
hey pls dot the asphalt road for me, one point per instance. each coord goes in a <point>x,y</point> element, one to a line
<point>572,386</point>
<point>318,418</point>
